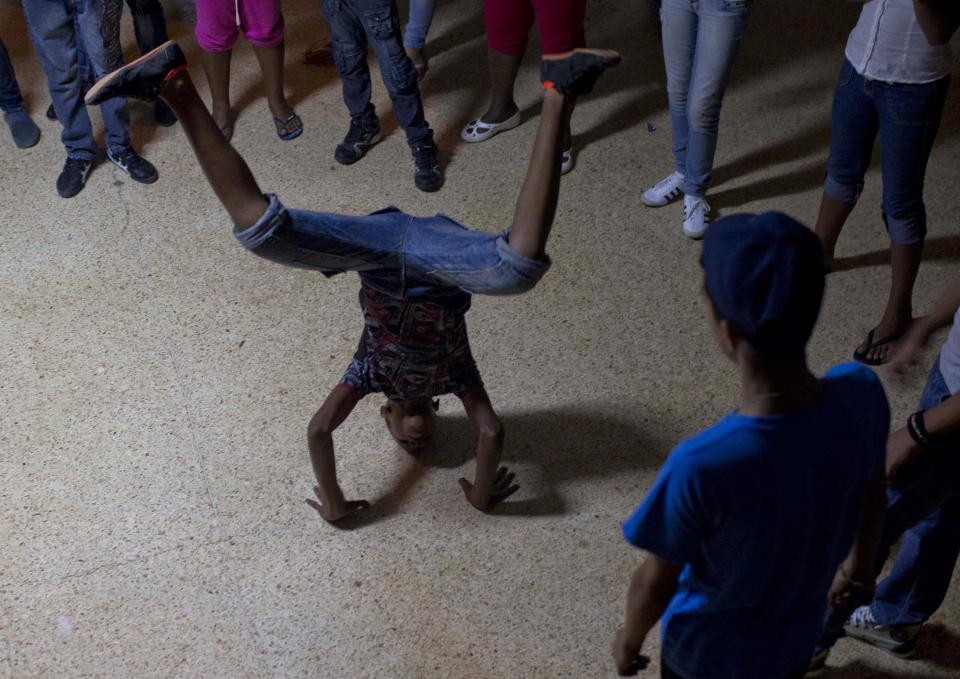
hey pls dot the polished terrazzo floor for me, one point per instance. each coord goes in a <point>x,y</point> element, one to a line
<point>157,379</point>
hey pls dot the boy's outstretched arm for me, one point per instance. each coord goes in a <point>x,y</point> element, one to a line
<point>652,587</point>
<point>853,585</point>
<point>940,316</point>
<point>493,483</point>
<point>332,505</point>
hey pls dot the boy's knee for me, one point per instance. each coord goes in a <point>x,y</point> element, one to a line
<point>350,58</point>
<point>844,188</point>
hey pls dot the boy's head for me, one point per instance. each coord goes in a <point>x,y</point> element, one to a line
<point>411,423</point>
<point>764,277</point>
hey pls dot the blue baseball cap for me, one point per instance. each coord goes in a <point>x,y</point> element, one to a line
<point>764,275</point>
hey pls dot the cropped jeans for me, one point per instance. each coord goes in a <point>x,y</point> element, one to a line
<point>906,117</point>
<point>395,253</point>
<point>700,43</point>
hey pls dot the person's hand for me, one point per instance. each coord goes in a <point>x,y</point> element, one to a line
<point>626,654</point>
<point>334,509</point>
<point>846,594</point>
<point>901,449</point>
<point>500,491</point>
<point>906,349</point>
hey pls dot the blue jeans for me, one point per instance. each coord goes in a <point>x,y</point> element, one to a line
<point>354,23</point>
<point>149,26</point>
<point>56,28</point>
<point>907,118</point>
<point>421,15</point>
<point>395,253</point>
<point>700,42</point>
<point>10,97</point>
<point>923,510</point>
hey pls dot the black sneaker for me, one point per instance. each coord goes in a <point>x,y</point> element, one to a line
<point>139,168</point>
<point>427,175</point>
<point>51,112</point>
<point>163,114</point>
<point>142,78</point>
<point>578,72</point>
<point>73,176</point>
<point>360,137</point>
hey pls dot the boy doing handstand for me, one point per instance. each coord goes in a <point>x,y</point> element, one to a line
<point>417,273</point>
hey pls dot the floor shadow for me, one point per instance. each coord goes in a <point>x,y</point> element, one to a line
<point>861,670</point>
<point>789,183</point>
<point>810,141</point>
<point>940,248</point>
<point>562,448</point>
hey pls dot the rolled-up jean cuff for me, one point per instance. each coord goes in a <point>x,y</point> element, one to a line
<point>906,230</point>
<point>273,217</point>
<point>842,192</point>
<point>530,270</point>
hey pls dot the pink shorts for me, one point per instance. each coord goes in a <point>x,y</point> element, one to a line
<point>260,20</point>
<point>560,23</point>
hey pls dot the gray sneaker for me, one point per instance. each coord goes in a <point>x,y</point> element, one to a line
<point>900,640</point>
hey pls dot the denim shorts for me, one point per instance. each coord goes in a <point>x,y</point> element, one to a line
<point>396,253</point>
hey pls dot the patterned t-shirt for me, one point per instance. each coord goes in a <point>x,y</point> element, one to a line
<point>412,348</point>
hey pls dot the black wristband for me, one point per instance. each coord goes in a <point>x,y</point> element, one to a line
<point>918,430</point>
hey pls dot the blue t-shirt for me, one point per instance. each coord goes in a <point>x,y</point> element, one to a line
<point>761,511</point>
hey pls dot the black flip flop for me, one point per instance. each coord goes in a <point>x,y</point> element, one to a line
<point>861,356</point>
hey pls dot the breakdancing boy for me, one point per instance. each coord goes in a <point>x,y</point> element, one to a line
<point>417,273</point>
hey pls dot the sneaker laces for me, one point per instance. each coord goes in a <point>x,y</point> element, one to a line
<point>75,163</point>
<point>670,186</point>
<point>358,130</point>
<point>863,618</point>
<point>699,206</point>
<point>425,155</point>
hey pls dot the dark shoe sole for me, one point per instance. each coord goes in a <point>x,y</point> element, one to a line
<point>109,78</point>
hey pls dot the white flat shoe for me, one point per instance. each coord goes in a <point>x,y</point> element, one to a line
<point>479,130</point>
<point>566,161</point>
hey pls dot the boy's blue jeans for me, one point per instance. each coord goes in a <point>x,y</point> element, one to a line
<point>923,509</point>
<point>355,23</point>
<point>700,42</point>
<point>56,28</point>
<point>906,117</point>
<point>396,253</point>
<point>10,97</point>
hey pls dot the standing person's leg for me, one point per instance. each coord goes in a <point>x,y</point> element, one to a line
<point>262,22</point>
<point>350,55</point>
<point>854,126</point>
<point>149,24</point>
<point>382,24</point>
<point>216,34</point>
<point>720,29</point>
<point>560,23</point>
<point>508,24</point>
<point>415,34</point>
<point>54,36</point>
<point>24,131</point>
<point>678,28</point>
<point>150,28</point>
<point>909,121</point>
<point>116,119</point>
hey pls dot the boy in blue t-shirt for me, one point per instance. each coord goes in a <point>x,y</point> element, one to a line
<point>749,521</point>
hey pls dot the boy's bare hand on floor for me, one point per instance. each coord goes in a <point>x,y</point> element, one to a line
<point>499,491</point>
<point>334,510</point>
